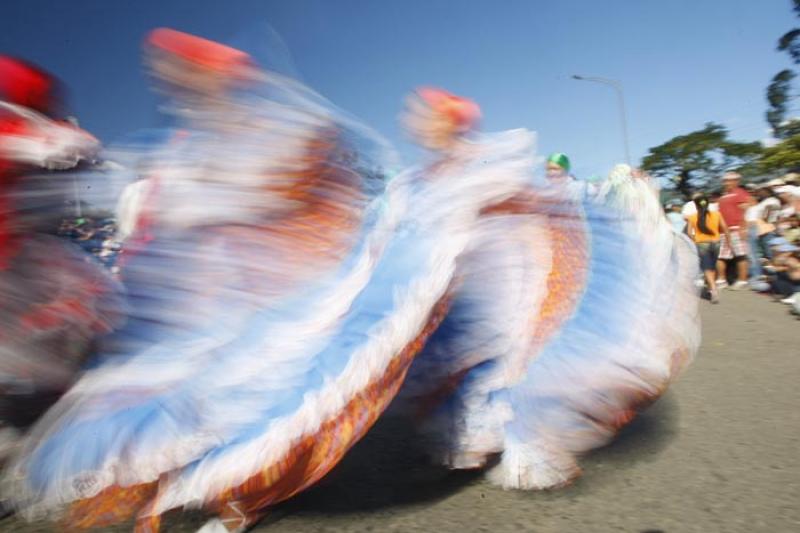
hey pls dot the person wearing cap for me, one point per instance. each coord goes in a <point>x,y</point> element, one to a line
<point>732,206</point>
<point>773,243</point>
<point>558,173</point>
<point>558,167</point>
<point>785,269</point>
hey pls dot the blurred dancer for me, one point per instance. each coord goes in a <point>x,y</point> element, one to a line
<point>275,306</point>
<point>53,300</point>
<point>453,383</point>
<point>572,312</point>
<point>625,326</point>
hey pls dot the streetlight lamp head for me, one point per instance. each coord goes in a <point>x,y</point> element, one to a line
<point>617,86</point>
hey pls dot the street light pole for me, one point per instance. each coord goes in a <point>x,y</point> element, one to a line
<point>617,86</point>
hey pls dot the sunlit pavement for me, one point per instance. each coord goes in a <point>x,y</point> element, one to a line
<point>719,453</point>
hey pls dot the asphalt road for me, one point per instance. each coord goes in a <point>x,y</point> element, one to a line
<point>719,453</point>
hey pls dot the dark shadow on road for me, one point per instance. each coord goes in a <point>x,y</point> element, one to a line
<point>387,468</point>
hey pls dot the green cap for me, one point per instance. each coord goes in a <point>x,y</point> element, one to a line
<point>559,159</point>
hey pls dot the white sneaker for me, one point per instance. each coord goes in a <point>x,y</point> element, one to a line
<point>789,300</point>
<point>721,283</point>
<point>739,285</point>
<point>714,297</point>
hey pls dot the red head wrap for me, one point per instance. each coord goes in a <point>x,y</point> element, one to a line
<point>201,52</point>
<point>463,112</point>
<point>26,85</point>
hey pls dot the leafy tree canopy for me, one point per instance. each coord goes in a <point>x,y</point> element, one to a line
<point>692,160</point>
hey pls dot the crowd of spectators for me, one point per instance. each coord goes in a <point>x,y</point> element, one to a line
<point>96,236</point>
<point>750,234</point>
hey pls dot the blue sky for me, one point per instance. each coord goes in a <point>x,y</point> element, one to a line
<point>682,62</point>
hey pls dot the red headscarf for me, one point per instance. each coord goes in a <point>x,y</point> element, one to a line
<point>201,52</point>
<point>26,85</point>
<point>463,112</point>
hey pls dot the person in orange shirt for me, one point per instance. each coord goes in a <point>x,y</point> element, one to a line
<point>705,227</point>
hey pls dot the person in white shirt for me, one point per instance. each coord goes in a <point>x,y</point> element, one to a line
<point>789,196</point>
<point>759,230</point>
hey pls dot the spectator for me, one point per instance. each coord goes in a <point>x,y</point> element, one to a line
<point>792,234</point>
<point>675,217</point>
<point>732,206</point>
<point>761,219</point>
<point>771,204</point>
<point>785,270</point>
<point>758,230</point>
<point>789,196</point>
<point>705,227</point>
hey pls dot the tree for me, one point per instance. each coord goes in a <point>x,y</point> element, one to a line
<point>778,96</point>
<point>790,43</point>
<point>783,157</point>
<point>779,90</point>
<point>690,161</point>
